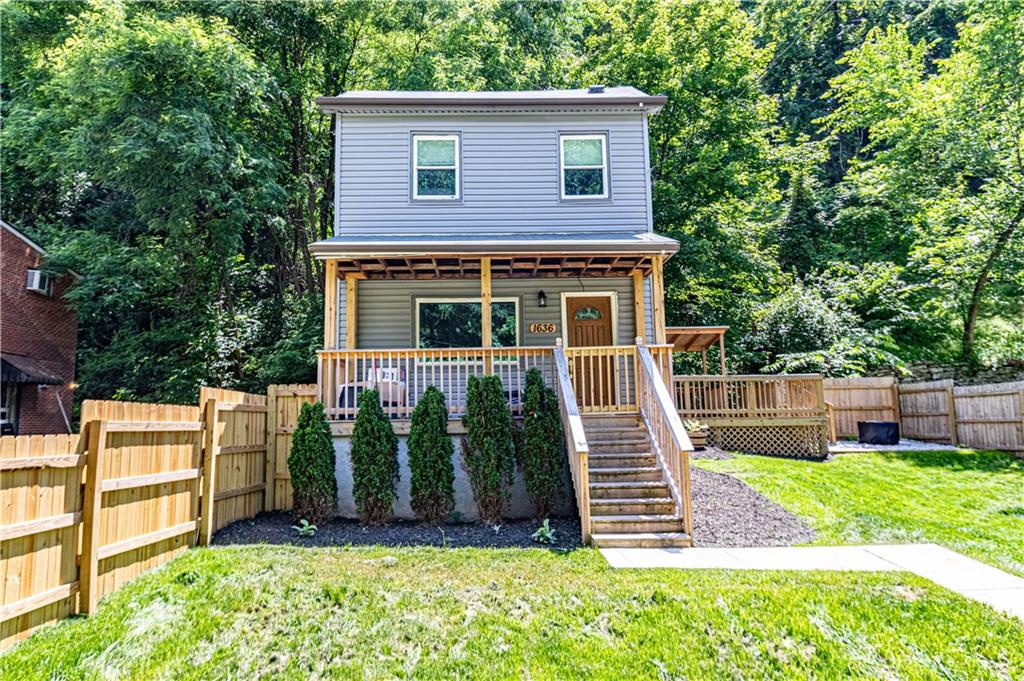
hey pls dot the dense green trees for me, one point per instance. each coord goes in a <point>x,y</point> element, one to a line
<point>172,153</point>
<point>431,472</point>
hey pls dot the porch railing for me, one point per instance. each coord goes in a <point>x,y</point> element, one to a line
<point>709,398</point>
<point>603,378</point>
<point>575,439</point>
<point>402,376</point>
<point>670,442</point>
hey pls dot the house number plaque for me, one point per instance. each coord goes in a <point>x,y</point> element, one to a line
<point>547,327</point>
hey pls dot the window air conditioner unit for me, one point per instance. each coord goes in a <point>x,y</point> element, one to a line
<point>38,282</point>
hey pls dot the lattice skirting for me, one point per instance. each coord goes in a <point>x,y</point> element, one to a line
<point>810,441</point>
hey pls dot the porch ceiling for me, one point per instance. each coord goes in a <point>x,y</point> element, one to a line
<point>503,266</point>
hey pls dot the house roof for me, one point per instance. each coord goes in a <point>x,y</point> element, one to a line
<point>625,99</point>
<point>21,369</point>
<point>32,244</point>
<point>389,245</point>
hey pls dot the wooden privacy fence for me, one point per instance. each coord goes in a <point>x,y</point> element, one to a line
<point>979,416</point>
<point>80,515</point>
<point>860,399</point>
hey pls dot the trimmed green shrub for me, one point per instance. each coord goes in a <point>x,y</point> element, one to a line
<point>432,474</point>
<point>374,461</point>
<point>540,450</point>
<point>488,449</point>
<point>311,467</point>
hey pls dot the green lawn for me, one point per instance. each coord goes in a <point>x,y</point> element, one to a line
<point>282,612</point>
<point>969,501</point>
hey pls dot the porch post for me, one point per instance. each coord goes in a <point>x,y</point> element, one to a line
<point>721,352</point>
<point>330,304</point>
<point>658,293</point>
<point>638,303</point>
<point>485,309</point>
<point>704,360</point>
<point>351,309</point>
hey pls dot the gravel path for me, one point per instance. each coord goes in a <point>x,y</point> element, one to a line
<point>276,528</point>
<point>905,445</point>
<point>729,512</point>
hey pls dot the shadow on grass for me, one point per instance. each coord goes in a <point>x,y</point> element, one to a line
<point>981,461</point>
<point>276,529</point>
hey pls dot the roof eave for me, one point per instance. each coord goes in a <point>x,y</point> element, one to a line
<point>323,250</point>
<point>329,105</point>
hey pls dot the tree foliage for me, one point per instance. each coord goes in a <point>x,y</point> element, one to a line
<point>488,448</point>
<point>311,467</point>
<point>172,154</point>
<point>374,452</point>
<point>432,473</point>
<point>540,451</point>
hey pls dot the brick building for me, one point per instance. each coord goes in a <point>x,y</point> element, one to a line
<point>38,337</point>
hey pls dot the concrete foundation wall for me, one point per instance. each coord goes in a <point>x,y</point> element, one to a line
<point>519,505</point>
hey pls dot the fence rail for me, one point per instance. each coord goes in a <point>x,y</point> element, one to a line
<point>80,515</point>
<point>981,416</point>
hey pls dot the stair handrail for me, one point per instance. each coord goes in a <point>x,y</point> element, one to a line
<point>575,438</point>
<point>670,442</point>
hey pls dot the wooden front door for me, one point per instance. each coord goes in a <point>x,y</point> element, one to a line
<point>589,324</point>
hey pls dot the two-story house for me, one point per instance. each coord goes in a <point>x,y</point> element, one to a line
<point>492,232</point>
<point>38,340</point>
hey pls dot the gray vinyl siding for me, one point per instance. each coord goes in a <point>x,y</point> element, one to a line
<point>386,316</point>
<point>509,175</point>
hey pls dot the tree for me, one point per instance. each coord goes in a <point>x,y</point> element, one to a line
<point>374,453</point>
<point>800,236</point>
<point>432,474</point>
<point>942,147</point>
<point>311,467</point>
<point>488,448</point>
<point>541,449</point>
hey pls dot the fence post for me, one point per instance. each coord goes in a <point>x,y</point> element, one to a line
<point>92,504</point>
<point>271,465</point>
<point>897,412</point>
<point>210,447</point>
<point>954,438</point>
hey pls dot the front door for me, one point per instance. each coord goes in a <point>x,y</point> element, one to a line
<point>589,324</point>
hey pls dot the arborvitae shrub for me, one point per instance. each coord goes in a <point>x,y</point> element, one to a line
<point>430,458</point>
<point>311,466</point>
<point>540,448</point>
<point>374,461</point>
<point>488,450</point>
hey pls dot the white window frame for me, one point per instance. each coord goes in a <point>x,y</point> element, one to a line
<point>470,299</point>
<point>434,137</point>
<point>562,167</point>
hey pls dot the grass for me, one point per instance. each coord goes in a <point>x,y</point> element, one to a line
<point>969,501</point>
<point>285,612</point>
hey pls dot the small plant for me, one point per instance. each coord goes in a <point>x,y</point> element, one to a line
<point>374,461</point>
<point>432,474</point>
<point>311,466</point>
<point>488,449</point>
<point>540,447</point>
<point>544,534</point>
<point>304,528</point>
<point>693,426</point>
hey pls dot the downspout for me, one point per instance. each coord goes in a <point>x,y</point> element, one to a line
<point>62,411</point>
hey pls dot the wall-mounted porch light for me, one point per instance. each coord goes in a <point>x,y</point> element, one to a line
<point>542,299</point>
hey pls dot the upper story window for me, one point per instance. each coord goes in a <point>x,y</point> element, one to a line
<point>584,166</point>
<point>435,167</point>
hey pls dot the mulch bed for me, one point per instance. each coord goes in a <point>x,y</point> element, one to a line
<point>276,528</point>
<point>712,453</point>
<point>729,512</point>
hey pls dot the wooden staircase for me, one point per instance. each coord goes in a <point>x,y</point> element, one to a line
<point>630,502</point>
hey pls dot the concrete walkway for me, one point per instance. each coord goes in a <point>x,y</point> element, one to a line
<point>955,571</point>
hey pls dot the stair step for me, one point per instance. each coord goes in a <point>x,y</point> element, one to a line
<point>635,473</point>
<point>629,490</point>
<point>623,459</point>
<point>621,447</point>
<point>640,540</point>
<point>637,523</point>
<point>632,505</point>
